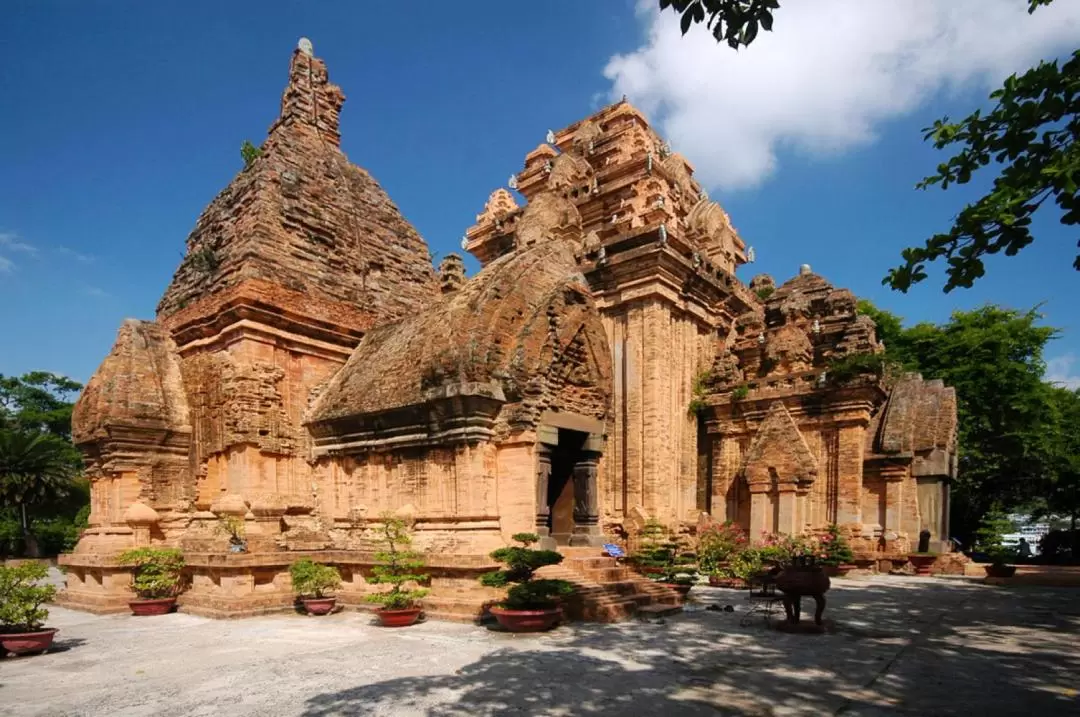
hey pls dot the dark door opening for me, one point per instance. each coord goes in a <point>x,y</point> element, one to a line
<point>560,498</point>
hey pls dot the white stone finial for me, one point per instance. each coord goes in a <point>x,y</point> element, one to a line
<point>464,242</point>
<point>750,256</point>
<point>512,182</point>
<point>305,46</point>
<point>804,270</point>
<point>550,137</point>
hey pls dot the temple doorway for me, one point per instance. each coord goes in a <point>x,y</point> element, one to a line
<point>560,497</point>
<point>567,494</point>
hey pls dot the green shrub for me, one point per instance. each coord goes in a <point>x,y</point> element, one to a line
<point>663,558</point>
<point>11,536</point>
<point>22,595</point>
<point>989,538</point>
<point>522,562</point>
<point>834,547</point>
<point>397,566</point>
<point>249,153</point>
<point>56,535</point>
<point>717,543</point>
<point>314,580</point>
<point>158,571</point>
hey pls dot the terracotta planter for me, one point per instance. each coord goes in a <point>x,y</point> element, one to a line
<point>839,571</point>
<point>157,606</point>
<point>718,581</point>
<point>398,618</point>
<point>1000,571</point>
<point>318,606</point>
<point>649,570</point>
<point>527,620</point>
<point>27,643</point>
<point>922,563</point>
<point>683,590</point>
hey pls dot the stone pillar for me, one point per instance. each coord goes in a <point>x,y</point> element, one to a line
<point>894,481</point>
<point>759,510</point>
<point>786,519</point>
<point>849,475</point>
<point>543,510</point>
<point>586,501</point>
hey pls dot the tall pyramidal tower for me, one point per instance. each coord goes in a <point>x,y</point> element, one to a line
<point>286,270</point>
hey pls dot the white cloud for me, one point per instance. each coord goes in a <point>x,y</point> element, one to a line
<point>71,253</point>
<point>10,241</point>
<point>10,244</point>
<point>1060,370</point>
<point>828,75</point>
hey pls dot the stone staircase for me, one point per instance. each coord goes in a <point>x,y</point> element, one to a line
<point>605,591</point>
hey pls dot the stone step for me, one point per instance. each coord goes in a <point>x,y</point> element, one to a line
<point>578,564</point>
<point>607,575</point>
<point>658,611</point>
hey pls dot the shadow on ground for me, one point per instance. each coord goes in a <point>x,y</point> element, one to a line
<point>926,647</point>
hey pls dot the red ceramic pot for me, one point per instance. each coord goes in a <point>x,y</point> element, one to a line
<point>398,618</point>
<point>26,643</point>
<point>318,606</point>
<point>527,620</point>
<point>159,606</point>
<point>922,563</point>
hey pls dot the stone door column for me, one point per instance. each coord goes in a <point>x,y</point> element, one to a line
<point>760,507</point>
<point>543,510</point>
<point>786,512</point>
<point>586,501</point>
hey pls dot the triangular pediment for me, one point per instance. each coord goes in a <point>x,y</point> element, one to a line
<point>779,452</point>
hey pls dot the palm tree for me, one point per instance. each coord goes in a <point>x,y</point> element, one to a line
<point>35,468</point>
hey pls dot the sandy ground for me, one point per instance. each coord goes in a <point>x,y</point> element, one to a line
<point>917,646</point>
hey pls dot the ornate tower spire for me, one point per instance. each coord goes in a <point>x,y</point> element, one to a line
<point>310,102</point>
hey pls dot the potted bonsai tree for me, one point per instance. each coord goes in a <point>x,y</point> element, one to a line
<point>157,579</point>
<point>233,526</point>
<point>989,539</point>
<point>835,553</point>
<point>397,566</point>
<point>647,558</point>
<point>672,567</point>
<point>531,605</point>
<point>313,582</point>
<point>22,617</point>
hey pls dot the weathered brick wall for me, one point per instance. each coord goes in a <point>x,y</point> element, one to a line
<point>302,217</point>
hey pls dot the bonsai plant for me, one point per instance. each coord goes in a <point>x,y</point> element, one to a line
<point>313,582</point>
<point>156,578</point>
<point>653,537</point>
<point>531,605</point>
<point>397,566</point>
<point>22,617</point>
<point>989,539</point>
<point>233,526</point>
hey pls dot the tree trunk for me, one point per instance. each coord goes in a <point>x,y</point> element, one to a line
<point>30,543</point>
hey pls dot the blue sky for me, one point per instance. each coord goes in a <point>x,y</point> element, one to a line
<point>122,120</point>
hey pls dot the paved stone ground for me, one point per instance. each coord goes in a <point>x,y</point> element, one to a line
<point>909,646</point>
